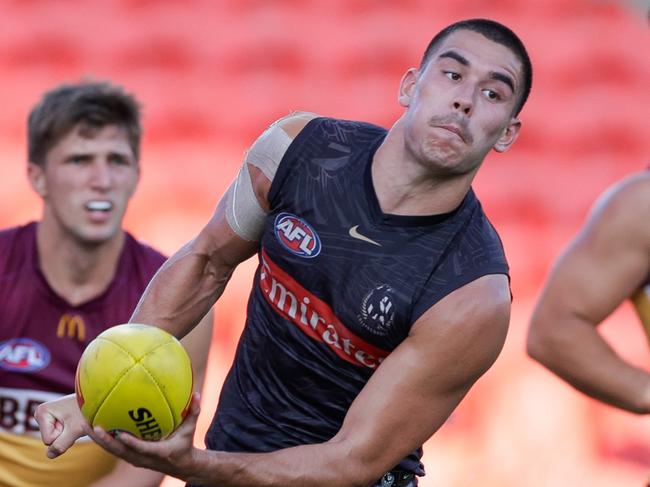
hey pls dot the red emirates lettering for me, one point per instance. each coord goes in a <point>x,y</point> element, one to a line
<point>314,316</point>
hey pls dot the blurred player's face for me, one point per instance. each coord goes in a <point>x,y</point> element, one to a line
<point>86,182</point>
<point>462,103</point>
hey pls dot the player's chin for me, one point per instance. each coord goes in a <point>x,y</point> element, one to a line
<point>95,235</point>
<point>441,153</point>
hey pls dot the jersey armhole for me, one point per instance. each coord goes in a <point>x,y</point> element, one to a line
<point>427,301</point>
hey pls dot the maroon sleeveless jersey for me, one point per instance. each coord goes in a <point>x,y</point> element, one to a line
<point>42,336</point>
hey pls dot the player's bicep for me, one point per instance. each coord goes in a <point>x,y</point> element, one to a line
<point>420,383</point>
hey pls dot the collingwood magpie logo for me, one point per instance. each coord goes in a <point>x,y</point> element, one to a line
<point>378,310</point>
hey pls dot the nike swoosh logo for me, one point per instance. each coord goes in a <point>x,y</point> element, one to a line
<point>355,234</point>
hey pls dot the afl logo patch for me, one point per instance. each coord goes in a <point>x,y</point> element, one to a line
<point>297,236</point>
<point>23,355</point>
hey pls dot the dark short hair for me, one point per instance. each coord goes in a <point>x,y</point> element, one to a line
<point>92,104</point>
<point>496,32</point>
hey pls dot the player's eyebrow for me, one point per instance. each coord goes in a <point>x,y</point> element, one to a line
<point>78,155</point>
<point>455,56</point>
<point>493,74</point>
<point>504,79</point>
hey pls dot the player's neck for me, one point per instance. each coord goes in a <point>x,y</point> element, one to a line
<point>76,272</point>
<point>404,187</point>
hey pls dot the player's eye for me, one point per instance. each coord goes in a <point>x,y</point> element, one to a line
<point>452,75</point>
<point>491,95</point>
<point>78,160</point>
<point>117,159</point>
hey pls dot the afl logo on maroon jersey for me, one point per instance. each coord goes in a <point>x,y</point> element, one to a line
<point>23,355</point>
<point>297,236</point>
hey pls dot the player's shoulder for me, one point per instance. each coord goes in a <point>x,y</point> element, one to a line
<point>17,245</point>
<point>17,231</point>
<point>634,188</point>
<point>627,198</point>
<point>477,233</point>
<point>8,235</point>
<point>17,236</point>
<point>293,123</point>
<point>623,209</point>
<point>485,303</point>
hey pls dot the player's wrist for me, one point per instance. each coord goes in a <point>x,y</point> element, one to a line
<point>193,466</point>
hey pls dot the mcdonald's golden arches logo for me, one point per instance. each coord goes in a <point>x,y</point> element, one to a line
<point>71,326</point>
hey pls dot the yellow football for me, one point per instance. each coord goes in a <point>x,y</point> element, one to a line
<point>135,378</point>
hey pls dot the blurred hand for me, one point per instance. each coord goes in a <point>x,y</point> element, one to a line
<point>61,423</point>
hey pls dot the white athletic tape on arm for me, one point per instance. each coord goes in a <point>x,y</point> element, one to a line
<point>244,213</point>
<point>268,150</point>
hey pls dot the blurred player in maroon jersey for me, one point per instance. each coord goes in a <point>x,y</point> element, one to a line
<point>69,276</point>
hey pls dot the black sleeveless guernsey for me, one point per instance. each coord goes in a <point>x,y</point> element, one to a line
<point>338,287</point>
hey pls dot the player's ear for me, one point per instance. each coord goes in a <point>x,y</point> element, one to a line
<point>407,86</point>
<point>36,176</point>
<point>509,135</point>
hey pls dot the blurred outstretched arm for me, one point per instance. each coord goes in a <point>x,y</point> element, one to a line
<point>606,264</point>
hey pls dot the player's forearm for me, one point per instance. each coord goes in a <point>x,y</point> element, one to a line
<point>182,291</point>
<point>576,352</point>
<point>326,465</point>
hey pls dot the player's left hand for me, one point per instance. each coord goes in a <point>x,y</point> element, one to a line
<point>61,423</point>
<point>172,455</point>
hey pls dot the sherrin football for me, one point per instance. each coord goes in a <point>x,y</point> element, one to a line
<point>135,378</point>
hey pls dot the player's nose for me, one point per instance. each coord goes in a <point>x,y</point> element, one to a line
<point>463,100</point>
<point>101,177</point>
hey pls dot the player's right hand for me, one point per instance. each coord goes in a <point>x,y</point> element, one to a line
<point>61,423</point>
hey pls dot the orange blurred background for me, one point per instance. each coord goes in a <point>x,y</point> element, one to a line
<point>212,74</point>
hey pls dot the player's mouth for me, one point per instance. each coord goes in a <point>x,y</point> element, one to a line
<point>99,210</point>
<point>99,205</point>
<point>455,130</point>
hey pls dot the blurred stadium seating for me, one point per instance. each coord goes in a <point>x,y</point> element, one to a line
<point>212,73</point>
